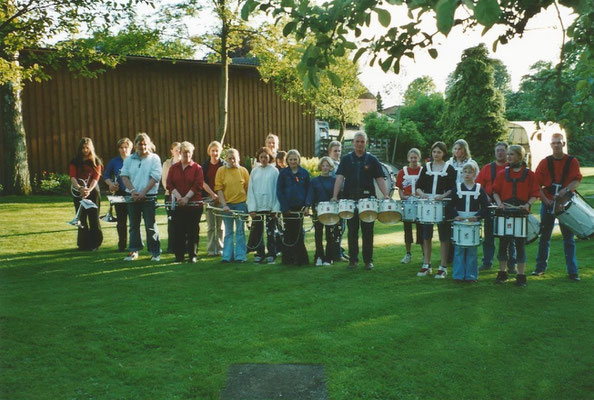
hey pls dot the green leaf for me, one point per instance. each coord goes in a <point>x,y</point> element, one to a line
<point>445,10</point>
<point>383,16</point>
<point>335,79</point>
<point>289,28</point>
<point>247,8</point>
<point>487,12</point>
<point>395,2</point>
<point>358,54</point>
<point>338,50</point>
<point>287,3</point>
<point>350,45</point>
<point>387,63</point>
<point>433,53</point>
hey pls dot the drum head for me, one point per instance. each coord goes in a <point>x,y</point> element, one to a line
<point>392,217</point>
<point>368,216</point>
<point>328,219</point>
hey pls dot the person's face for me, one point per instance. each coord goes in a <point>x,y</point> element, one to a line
<point>335,153</point>
<point>293,161</point>
<point>557,145</point>
<point>413,159</point>
<point>325,168</point>
<point>232,160</point>
<point>271,143</point>
<point>263,158</point>
<point>468,175</point>
<point>437,154</point>
<point>281,163</point>
<point>500,153</point>
<point>124,150</point>
<point>513,157</point>
<point>186,155</point>
<point>175,152</point>
<point>359,144</point>
<point>85,150</point>
<point>459,152</point>
<point>141,148</point>
<point>214,152</point>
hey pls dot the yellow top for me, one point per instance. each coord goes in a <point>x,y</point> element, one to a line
<point>233,182</point>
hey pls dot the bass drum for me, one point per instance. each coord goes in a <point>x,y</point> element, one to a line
<point>533,229</point>
<point>390,182</point>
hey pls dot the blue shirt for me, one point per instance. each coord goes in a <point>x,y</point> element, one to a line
<point>359,174</point>
<point>113,171</point>
<point>292,188</point>
<point>320,189</point>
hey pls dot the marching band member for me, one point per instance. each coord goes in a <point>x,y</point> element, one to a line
<point>470,203</point>
<point>436,181</point>
<point>85,171</point>
<point>291,190</point>
<point>486,178</point>
<point>174,150</point>
<point>516,186</point>
<point>261,199</point>
<point>334,151</point>
<point>558,175</point>
<point>116,186</point>
<point>406,181</point>
<point>461,157</point>
<point>214,223</point>
<point>358,170</point>
<point>184,183</point>
<point>231,184</point>
<point>141,174</point>
<point>321,189</point>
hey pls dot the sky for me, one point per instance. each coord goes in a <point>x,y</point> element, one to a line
<point>541,41</point>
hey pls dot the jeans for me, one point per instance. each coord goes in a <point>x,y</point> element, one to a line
<point>353,237</point>
<point>465,263</point>
<point>238,251</point>
<point>122,224</point>
<point>547,223</point>
<point>214,233</point>
<point>146,209</point>
<point>489,245</point>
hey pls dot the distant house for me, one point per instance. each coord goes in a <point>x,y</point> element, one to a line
<point>367,103</point>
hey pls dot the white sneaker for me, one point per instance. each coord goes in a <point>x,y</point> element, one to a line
<point>133,255</point>
<point>327,264</point>
<point>425,270</point>
<point>156,258</point>
<point>319,262</point>
<point>270,260</point>
<point>406,259</point>
<point>441,273</point>
<point>257,259</point>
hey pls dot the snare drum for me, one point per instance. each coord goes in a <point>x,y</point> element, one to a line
<point>328,212</point>
<point>409,210</point>
<point>430,211</point>
<point>346,208</point>
<point>533,229</point>
<point>390,211</point>
<point>579,217</point>
<point>368,209</point>
<point>466,234</point>
<point>510,223</point>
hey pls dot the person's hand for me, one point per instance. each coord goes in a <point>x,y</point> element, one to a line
<point>473,219</point>
<point>501,206</point>
<point>458,218</point>
<point>183,201</point>
<point>525,207</point>
<point>113,187</point>
<point>306,212</point>
<point>226,208</point>
<point>84,192</point>
<point>253,214</point>
<point>334,199</point>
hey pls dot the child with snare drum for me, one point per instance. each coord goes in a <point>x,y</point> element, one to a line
<point>470,203</point>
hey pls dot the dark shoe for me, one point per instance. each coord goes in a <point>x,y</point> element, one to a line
<point>512,270</point>
<point>343,258</point>
<point>501,277</point>
<point>521,280</point>
<point>485,267</point>
<point>352,265</point>
<point>179,260</point>
<point>193,260</point>
<point>574,277</point>
<point>369,266</point>
<point>537,273</point>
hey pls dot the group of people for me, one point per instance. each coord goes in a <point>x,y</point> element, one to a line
<point>278,193</point>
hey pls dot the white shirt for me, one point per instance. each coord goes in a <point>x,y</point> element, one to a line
<point>140,170</point>
<point>261,194</point>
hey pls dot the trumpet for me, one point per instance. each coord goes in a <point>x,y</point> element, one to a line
<point>76,193</point>
<point>109,216</point>
<point>86,204</point>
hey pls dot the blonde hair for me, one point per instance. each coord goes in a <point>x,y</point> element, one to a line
<point>464,144</point>
<point>233,151</point>
<point>276,140</point>
<point>186,145</point>
<point>143,137</point>
<point>124,140</point>
<point>414,150</point>
<point>516,148</point>
<point>294,152</point>
<point>334,143</point>
<point>471,166</point>
<point>212,144</point>
<point>327,160</point>
<point>174,145</point>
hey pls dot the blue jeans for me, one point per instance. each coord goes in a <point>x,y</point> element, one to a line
<point>489,245</point>
<point>465,263</point>
<point>147,210</point>
<point>547,223</point>
<point>237,252</point>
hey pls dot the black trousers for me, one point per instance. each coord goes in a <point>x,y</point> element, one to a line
<point>256,240</point>
<point>186,229</point>
<point>367,234</point>
<point>332,238</point>
<point>90,235</point>
<point>122,224</point>
<point>294,251</point>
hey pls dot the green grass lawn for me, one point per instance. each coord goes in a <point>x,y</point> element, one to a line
<point>77,325</point>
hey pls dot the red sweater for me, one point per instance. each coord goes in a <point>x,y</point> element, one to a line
<point>545,178</point>
<point>525,190</point>
<point>484,177</point>
<point>406,185</point>
<point>186,179</point>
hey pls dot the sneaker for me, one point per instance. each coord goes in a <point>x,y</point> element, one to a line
<point>156,258</point>
<point>406,259</point>
<point>441,272</point>
<point>344,259</point>
<point>270,260</point>
<point>327,264</point>
<point>485,267</point>
<point>319,262</point>
<point>425,270</point>
<point>258,259</point>
<point>133,255</point>
<point>537,273</point>
<point>574,277</point>
<point>369,266</point>
<point>501,277</point>
<point>512,270</point>
<point>193,260</point>
<point>521,280</point>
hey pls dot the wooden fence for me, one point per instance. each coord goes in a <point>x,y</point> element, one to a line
<point>169,101</point>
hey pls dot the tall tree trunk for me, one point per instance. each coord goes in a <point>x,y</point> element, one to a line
<point>223,86</point>
<point>16,169</point>
<point>342,131</point>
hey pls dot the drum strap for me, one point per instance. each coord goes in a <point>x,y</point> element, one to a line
<point>468,194</point>
<point>515,181</point>
<point>555,185</point>
<point>493,171</point>
<point>436,175</point>
<point>412,179</point>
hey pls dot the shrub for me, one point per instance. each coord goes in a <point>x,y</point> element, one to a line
<point>311,165</point>
<point>51,183</point>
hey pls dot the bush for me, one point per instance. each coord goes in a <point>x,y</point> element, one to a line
<point>51,183</point>
<point>311,165</point>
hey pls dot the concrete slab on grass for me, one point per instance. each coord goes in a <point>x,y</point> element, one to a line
<point>275,381</point>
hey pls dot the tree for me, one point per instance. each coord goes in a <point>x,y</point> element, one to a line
<point>425,113</point>
<point>474,108</point>
<point>380,103</point>
<point>26,24</point>
<point>404,133</point>
<point>279,59</point>
<point>423,86</point>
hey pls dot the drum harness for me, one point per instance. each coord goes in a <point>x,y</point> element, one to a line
<point>514,199</point>
<point>468,194</point>
<point>412,179</point>
<point>436,175</point>
<point>556,186</point>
